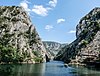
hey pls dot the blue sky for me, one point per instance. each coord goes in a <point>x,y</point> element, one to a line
<point>55,20</point>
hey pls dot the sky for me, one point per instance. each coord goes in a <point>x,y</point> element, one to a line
<point>55,20</point>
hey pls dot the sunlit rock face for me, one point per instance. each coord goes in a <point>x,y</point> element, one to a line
<point>86,47</point>
<point>53,47</point>
<point>18,32</point>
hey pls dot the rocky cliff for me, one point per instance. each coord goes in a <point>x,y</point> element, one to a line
<point>53,47</point>
<point>19,40</point>
<point>86,47</point>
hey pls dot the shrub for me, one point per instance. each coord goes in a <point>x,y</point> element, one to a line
<point>10,54</point>
<point>7,53</point>
<point>38,59</point>
<point>36,53</point>
<point>84,42</point>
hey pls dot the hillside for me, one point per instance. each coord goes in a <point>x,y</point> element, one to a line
<point>86,47</point>
<point>53,47</point>
<point>19,40</point>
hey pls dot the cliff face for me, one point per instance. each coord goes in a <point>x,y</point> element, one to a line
<point>19,40</point>
<point>87,44</point>
<point>53,47</point>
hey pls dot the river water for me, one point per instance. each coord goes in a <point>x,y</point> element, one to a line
<point>53,68</point>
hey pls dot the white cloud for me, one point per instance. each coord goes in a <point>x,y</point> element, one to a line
<point>72,31</point>
<point>40,10</point>
<point>53,3</point>
<point>24,4</point>
<point>48,27</point>
<point>60,20</point>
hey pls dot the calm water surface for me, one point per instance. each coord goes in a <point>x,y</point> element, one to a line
<point>53,68</point>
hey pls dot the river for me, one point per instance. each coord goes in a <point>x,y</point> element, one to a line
<point>53,68</point>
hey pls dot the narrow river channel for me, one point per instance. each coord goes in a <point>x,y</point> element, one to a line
<point>53,68</point>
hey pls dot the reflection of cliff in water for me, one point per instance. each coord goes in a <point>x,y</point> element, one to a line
<point>53,68</point>
<point>30,70</point>
<point>6,70</point>
<point>22,70</point>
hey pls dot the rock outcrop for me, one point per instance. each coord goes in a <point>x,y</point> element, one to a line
<point>53,48</point>
<point>19,40</point>
<point>86,47</point>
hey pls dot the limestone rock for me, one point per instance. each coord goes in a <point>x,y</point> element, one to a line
<point>87,43</point>
<point>17,31</point>
<point>53,48</point>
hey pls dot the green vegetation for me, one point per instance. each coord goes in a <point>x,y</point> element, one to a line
<point>85,32</point>
<point>10,54</point>
<point>2,19</point>
<point>98,26</point>
<point>6,38</point>
<point>84,42</point>
<point>6,70</point>
<point>1,11</point>
<point>38,59</point>
<point>36,53</point>
<point>10,50</point>
<point>33,38</point>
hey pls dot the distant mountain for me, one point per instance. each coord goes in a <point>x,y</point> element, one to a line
<point>86,48</point>
<point>53,47</point>
<point>19,40</point>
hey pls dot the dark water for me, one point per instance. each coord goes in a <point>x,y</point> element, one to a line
<point>54,68</point>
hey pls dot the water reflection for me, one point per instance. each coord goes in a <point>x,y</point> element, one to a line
<point>22,70</point>
<point>54,68</point>
<point>83,71</point>
<point>30,70</point>
<point>6,70</point>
